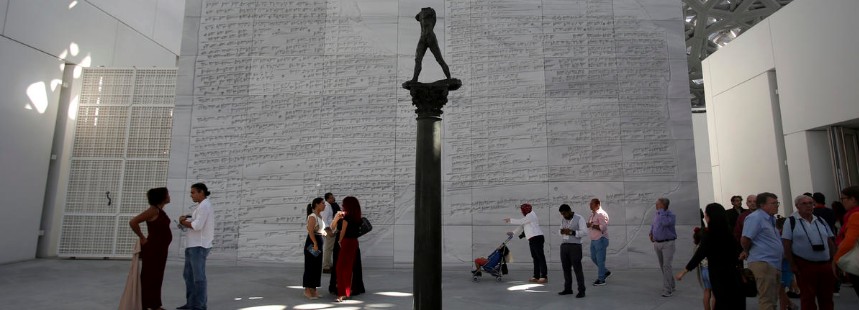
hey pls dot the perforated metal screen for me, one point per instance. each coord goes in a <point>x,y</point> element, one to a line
<point>121,149</point>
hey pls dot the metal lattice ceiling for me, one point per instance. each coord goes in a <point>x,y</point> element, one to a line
<point>711,24</point>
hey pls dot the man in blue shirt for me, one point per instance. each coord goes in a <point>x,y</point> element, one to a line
<point>809,248</point>
<point>663,234</point>
<point>763,249</point>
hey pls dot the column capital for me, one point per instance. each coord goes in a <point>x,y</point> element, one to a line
<point>429,98</point>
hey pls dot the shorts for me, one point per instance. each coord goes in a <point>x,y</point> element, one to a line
<point>705,277</point>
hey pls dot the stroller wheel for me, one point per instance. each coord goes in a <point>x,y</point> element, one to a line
<point>475,279</point>
<point>499,279</point>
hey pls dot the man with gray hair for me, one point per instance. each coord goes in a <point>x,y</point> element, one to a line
<point>809,247</point>
<point>663,234</point>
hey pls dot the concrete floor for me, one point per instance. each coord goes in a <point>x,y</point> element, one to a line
<point>97,284</point>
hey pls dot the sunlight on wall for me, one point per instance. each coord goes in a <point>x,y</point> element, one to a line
<point>85,63</point>
<point>38,94</point>
<point>73,4</point>
<point>55,83</point>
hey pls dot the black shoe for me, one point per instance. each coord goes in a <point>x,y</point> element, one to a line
<point>599,283</point>
<point>792,295</point>
<point>580,294</point>
<point>565,292</point>
<point>607,274</point>
<point>183,307</point>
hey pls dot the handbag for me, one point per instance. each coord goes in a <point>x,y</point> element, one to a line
<point>365,227</point>
<point>850,261</point>
<point>749,285</point>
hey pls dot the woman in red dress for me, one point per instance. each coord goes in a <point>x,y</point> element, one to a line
<point>154,246</point>
<point>348,246</point>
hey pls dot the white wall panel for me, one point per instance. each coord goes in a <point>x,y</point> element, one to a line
<point>820,160</point>
<point>28,111</point>
<point>798,166</point>
<point>746,57</point>
<point>130,53</point>
<point>168,19</point>
<point>814,46</point>
<point>4,4</point>
<point>137,14</point>
<point>52,27</point>
<point>748,148</point>
<point>562,101</point>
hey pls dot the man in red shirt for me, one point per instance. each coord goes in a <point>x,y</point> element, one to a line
<point>738,226</point>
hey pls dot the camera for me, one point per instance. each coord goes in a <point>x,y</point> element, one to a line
<point>818,247</point>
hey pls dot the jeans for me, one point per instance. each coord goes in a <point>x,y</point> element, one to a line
<point>598,249</point>
<point>195,277</point>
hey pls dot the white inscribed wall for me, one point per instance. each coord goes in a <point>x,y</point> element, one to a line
<point>562,101</point>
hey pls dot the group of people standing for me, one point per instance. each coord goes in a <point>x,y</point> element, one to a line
<point>200,225</point>
<point>573,228</point>
<point>805,246</point>
<point>331,247</point>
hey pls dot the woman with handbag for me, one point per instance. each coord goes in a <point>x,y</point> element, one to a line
<point>848,237</point>
<point>313,249</point>
<point>348,247</point>
<point>357,271</point>
<point>721,250</point>
<point>153,246</point>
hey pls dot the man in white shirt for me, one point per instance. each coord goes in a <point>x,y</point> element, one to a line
<point>531,226</point>
<point>198,243</point>
<point>328,245</point>
<point>573,228</point>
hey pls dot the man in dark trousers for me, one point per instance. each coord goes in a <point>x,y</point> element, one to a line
<point>573,228</point>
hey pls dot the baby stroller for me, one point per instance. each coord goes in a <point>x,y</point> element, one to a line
<point>495,264</point>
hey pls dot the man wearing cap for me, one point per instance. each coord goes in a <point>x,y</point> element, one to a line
<point>530,224</point>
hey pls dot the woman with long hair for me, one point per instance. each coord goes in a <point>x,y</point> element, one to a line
<point>313,249</point>
<point>348,246</point>
<point>721,250</point>
<point>849,233</point>
<point>153,247</point>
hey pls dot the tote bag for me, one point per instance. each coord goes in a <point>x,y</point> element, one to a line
<point>131,299</point>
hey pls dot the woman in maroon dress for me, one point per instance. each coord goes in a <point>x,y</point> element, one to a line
<point>154,246</point>
<point>348,246</point>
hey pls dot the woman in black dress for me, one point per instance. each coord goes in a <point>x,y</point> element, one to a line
<point>721,250</point>
<point>153,247</point>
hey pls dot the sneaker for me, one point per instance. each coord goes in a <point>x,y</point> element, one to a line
<point>607,274</point>
<point>580,294</point>
<point>667,294</point>
<point>565,292</point>
<point>599,283</point>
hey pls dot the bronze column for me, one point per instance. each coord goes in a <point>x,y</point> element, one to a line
<point>429,100</point>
